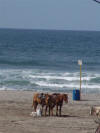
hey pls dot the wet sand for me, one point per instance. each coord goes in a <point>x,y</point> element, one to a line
<point>15,109</point>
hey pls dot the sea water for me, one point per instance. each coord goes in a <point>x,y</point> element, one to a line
<point>47,60</point>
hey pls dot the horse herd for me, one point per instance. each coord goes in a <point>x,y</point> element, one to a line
<point>49,101</point>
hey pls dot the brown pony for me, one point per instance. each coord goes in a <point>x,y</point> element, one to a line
<point>42,99</point>
<point>57,100</point>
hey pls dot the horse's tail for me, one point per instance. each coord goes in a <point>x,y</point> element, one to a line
<point>33,102</point>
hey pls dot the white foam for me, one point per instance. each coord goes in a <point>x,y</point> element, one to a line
<point>45,84</point>
<point>61,78</point>
<point>42,78</point>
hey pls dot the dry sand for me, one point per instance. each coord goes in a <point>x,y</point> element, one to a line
<point>15,109</point>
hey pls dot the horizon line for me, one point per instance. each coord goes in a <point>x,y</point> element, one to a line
<point>11,28</point>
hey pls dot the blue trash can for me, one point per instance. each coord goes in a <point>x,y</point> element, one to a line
<point>76,94</point>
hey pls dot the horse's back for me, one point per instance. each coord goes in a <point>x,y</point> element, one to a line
<point>59,98</point>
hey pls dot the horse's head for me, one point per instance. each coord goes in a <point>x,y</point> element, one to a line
<point>65,98</point>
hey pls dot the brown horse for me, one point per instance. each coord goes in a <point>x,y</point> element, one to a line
<point>42,99</point>
<point>57,100</point>
<point>38,98</point>
<point>49,101</point>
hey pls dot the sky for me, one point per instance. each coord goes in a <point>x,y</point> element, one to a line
<point>50,14</point>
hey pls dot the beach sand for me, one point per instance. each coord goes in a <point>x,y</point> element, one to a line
<point>15,109</point>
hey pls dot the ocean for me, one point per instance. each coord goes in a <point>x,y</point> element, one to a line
<point>47,60</point>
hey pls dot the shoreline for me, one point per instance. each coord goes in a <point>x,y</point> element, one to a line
<point>15,109</point>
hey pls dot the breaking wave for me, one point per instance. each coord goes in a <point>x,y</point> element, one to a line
<point>36,79</point>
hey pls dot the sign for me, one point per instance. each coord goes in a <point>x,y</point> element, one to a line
<point>80,62</point>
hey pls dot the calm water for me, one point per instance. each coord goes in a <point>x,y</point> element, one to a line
<point>46,60</point>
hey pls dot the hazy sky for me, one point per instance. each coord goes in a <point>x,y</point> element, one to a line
<point>50,14</point>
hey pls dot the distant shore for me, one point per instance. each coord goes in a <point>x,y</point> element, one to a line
<point>15,109</point>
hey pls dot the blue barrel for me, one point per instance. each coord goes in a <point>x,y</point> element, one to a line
<point>76,94</point>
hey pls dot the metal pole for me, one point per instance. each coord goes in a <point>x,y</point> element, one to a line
<point>80,63</point>
<point>80,81</point>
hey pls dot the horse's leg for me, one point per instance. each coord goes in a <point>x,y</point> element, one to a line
<point>52,111</point>
<point>46,110</point>
<point>42,109</point>
<point>56,110</point>
<point>49,110</point>
<point>35,106</point>
<point>60,110</point>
